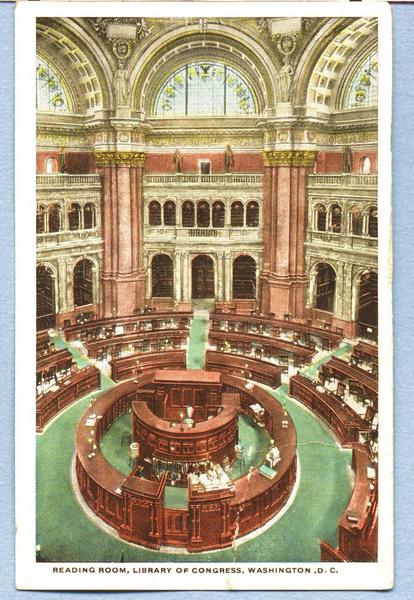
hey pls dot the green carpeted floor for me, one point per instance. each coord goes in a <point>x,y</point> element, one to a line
<point>198,339</point>
<point>67,534</point>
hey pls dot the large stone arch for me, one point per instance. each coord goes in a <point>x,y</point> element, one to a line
<point>157,58</point>
<point>307,73</point>
<point>82,62</point>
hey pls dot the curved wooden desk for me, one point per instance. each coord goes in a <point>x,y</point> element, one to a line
<point>135,505</point>
<point>244,366</point>
<point>79,384</point>
<point>357,526</point>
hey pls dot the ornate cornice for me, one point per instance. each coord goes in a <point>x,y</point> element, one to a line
<point>131,159</point>
<point>289,158</point>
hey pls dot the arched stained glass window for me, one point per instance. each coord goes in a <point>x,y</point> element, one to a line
<point>50,94</point>
<point>362,90</point>
<point>205,88</point>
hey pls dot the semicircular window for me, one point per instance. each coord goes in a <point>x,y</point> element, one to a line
<point>362,90</point>
<point>50,94</point>
<point>205,89</point>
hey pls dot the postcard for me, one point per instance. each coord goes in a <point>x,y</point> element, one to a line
<point>203,300</point>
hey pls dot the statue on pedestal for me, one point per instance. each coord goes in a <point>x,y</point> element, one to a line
<point>285,80</point>
<point>178,161</point>
<point>122,91</point>
<point>347,160</point>
<point>228,159</point>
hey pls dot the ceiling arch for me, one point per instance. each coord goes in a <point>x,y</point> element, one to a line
<point>80,64</point>
<point>152,64</point>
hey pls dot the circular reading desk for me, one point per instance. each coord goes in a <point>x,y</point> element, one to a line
<point>193,452</point>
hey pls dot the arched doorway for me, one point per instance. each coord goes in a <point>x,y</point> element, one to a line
<point>83,283</point>
<point>244,278</point>
<point>325,287</point>
<point>45,298</point>
<point>162,273</point>
<point>367,317</point>
<point>202,277</point>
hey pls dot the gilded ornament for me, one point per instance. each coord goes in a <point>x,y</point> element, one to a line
<point>132,159</point>
<point>289,158</point>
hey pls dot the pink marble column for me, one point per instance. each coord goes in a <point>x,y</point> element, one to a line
<point>284,210</point>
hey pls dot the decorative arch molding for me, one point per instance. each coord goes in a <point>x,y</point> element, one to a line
<point>306,74</point>
<point>152,64</point>
<point>80,60</point>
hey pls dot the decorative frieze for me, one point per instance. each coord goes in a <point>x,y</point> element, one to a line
<point>132,159</point>
<point>289,158</point>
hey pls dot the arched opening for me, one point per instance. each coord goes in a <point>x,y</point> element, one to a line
<point>162,273</point>
<point>74,216</point>
<point>154,213</point>
<point>169,213</point>
<point>89,216</point>
<point>373,222</point>
<point>55,218</point>
<point>252,214</point>
<point>237,214</point>
<point>320,218</point>
<point>40,219</point>
<point>202,277</point>
<point>187,213</point>
<point>203,214</point>
<point>45,298</point>
<point>244,278</point>
<point>218,214</point>
<point>336,218</point>
<point>365,165</point>
<point>367,321</point>
<point>357,221</point>
<point>83,282</point>
<point>325,287</point>
<point>51,165</point>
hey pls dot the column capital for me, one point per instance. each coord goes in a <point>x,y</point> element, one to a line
<point>130,159</point>
<point>289,158</point>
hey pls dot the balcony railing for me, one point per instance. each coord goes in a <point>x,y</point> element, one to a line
<point>198,179</point>
<point>342,240</point>
<point>63,180</point>
<point>250,234</point>
<point>345,179</point>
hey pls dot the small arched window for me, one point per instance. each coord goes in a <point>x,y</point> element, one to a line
<point>55,218</point>
<point>203,214</point>
<point>252,214</point>
<point>365,165</point>
<point>373,222</point>
<point>188,214</point>
<point>320,217</point>
<point>325,287</point>
<point>336,218</point>
<point>89,216</point>
<point>357,221</point>
<point>74,216</point>
<point>40,219</point>
<point>169,213</point>
<point>154,213</point>
<point>51,165</point>
<point>218,214</point>
<point>237,214</point>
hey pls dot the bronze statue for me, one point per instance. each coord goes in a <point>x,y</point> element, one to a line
<point>177,160</point>
<point>347,160</point>
<point>228,159</point>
